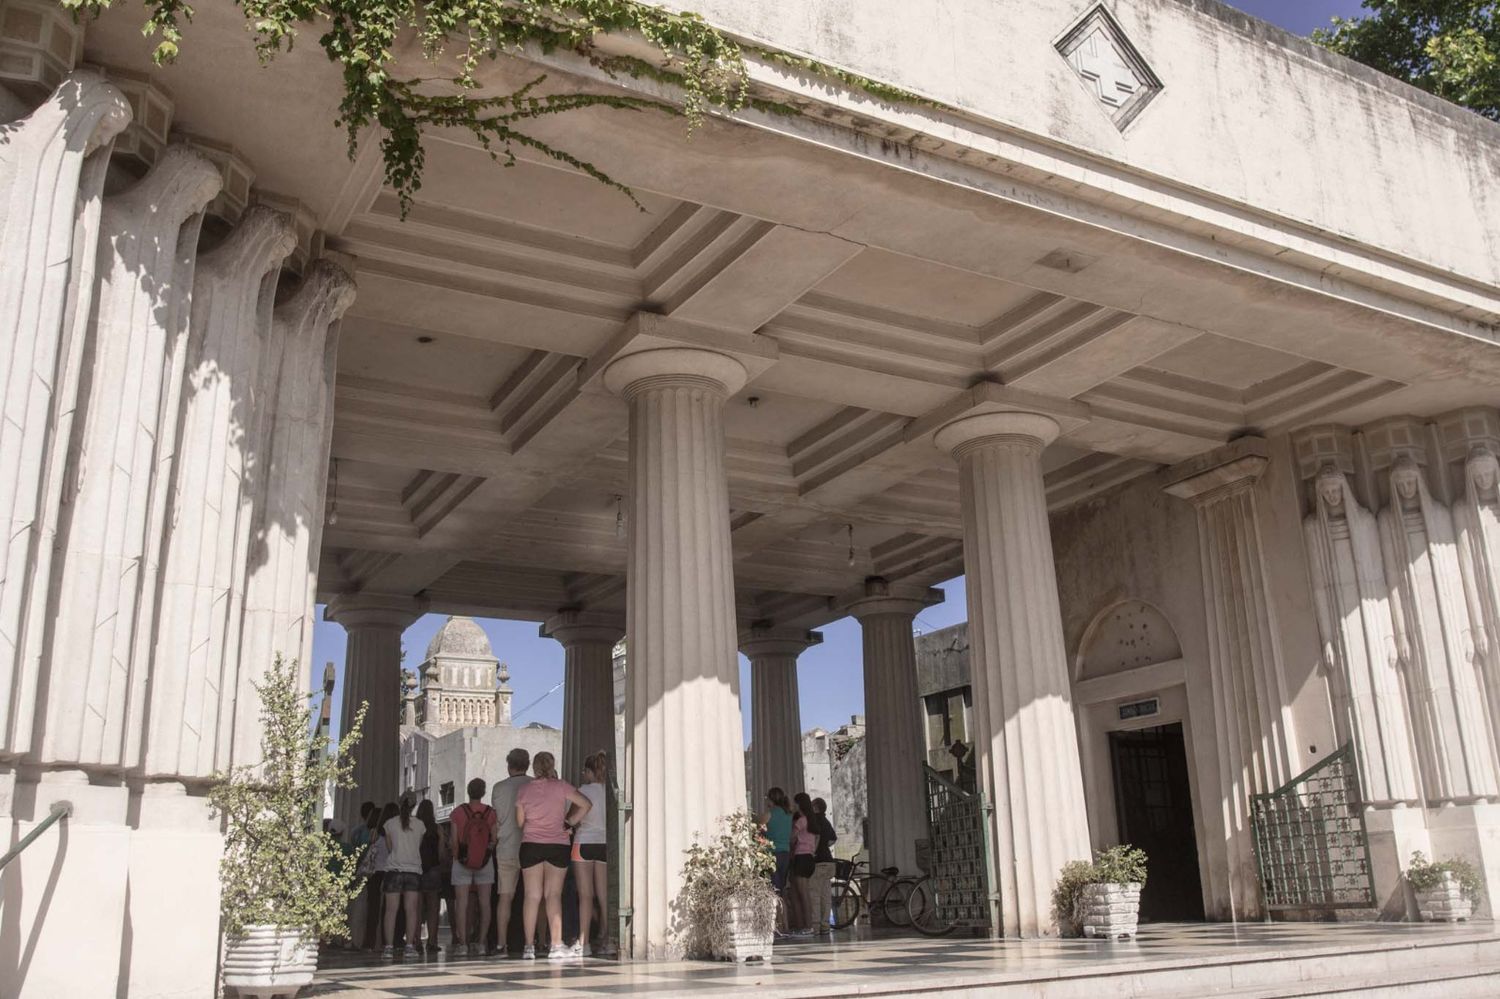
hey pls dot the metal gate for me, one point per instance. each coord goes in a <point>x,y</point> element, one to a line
<point>1311,847</point>
<point>958,854</point>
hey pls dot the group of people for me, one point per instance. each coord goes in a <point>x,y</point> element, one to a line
<point>533,829</point>
<point>802,838</point>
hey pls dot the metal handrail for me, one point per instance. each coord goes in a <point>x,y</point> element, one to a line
<point>60,810</point>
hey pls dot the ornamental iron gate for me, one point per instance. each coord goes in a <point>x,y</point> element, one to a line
<point>958,854</point>
<point>1311,847</point>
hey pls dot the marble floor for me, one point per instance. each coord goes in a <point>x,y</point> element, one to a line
<point>900,965</point>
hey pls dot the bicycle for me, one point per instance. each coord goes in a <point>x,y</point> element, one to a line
<point>922,909</point>
<point>856,887</point>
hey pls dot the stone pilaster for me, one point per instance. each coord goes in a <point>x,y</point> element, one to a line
<point>118,463</point>
<point>1025,734</point>
<point>684,736</point>
<point>51,189</point>
<point>372,677</point>
<point>894,748</point>
<point>1251,705</point>
<point>775,714</point>
<point>588,642</point>
<point>289,443</point>
<point>195,645</point>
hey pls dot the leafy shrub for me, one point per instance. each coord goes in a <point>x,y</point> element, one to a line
<point>1119,865</point>
<point>735,866</point>
<point>279,868</point>
<point>1425,875</point>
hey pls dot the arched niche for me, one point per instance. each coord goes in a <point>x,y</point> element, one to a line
<point>1125,636</point>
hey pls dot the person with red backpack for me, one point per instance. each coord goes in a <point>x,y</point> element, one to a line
<point>473,848</point>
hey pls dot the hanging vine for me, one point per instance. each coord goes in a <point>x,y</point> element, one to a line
<point>706,67</point>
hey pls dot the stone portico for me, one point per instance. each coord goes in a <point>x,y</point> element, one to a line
<point>1192,380</point>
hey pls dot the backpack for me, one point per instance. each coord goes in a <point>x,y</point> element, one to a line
<point>429,849</point>
<point>474,841</point>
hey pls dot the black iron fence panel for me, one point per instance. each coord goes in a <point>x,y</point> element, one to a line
<point>957,853</point>
<point>1311,847</point>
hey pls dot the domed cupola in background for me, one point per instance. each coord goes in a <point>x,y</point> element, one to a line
<point>463,683</point>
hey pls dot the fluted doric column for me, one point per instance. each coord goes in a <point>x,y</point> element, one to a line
<point>684,738</point>
<point>1025,732</point>
<point>372,677</point>
<point>775,714</point>
<point>1251,705</point>
<point>588,642</point>
<point>894,746</point>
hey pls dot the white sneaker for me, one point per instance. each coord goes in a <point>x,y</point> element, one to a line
<point>587,950</point>
<point>576,952</point>
<point>529,954</point>
<point>387,953</point>
<point>558,953</point>
<point>410,953</point>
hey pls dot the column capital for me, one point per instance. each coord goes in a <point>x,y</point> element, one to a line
<point>374,610</point>
<point>980,429</point>
<point>882,597</point>
<point>763,641</point>
<point>1232,468</point>
<point>569,627</point>
<point>631,374</point>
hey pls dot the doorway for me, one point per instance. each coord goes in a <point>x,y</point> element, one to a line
<point>1154,806</point>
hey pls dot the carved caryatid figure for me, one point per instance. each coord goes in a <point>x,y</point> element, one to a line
<point>1359,651</point>
<point>1477,517</point>
<point>1434,638</point>
<point>52,169</point>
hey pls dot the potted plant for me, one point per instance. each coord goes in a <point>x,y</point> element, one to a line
<point>1101,899</point>
<point>285,882</point>
<point>727,902</point>
<point>1446,889</point>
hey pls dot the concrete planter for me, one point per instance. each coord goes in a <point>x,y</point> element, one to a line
<point>1445,903</point>
<point>746,933</point>
<point>1109,911</point>
<point>266,962</point>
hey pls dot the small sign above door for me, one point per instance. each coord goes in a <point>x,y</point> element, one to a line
<point>1139,709</point>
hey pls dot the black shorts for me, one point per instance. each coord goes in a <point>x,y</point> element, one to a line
<point>597,852</point>
<point>803,865</point>
<point>555,854</point>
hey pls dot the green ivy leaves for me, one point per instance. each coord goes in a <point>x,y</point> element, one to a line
<point>706,67</point>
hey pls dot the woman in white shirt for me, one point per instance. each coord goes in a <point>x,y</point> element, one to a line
<point>591,853</point>
<point>403,876</point>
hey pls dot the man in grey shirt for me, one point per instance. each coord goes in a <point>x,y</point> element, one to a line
<point>508,838</point>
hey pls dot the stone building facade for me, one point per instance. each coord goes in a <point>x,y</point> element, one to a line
<point>1197,393</point>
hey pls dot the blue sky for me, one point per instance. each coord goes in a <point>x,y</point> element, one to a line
<point>829,675</point>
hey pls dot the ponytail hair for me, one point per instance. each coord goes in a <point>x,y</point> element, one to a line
<point>598,765</point>
<point>406,807</point>
<point>544,766</point>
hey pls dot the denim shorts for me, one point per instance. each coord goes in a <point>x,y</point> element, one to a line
<point>396,882</point>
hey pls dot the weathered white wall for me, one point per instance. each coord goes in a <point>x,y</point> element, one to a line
<point>1347,144</point>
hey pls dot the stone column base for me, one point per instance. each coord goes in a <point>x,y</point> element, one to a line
<point>172,907</point>
<point>64,898</point>
<point>1473,833</point>
<point>1394,834</point>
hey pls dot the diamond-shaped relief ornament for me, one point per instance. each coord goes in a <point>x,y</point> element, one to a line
<point>1109,66</point>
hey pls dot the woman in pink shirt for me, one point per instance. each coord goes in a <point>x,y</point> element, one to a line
<point>804,845</point>
<point>546,810</point>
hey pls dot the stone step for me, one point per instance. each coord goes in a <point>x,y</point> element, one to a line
<point>1440,969</point>
<point>1471,982</point>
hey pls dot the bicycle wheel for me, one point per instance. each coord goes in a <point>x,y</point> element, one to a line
<point>847,903</point>
<point>895,902</point>
<point>876,889</point>
<point>921,907</point>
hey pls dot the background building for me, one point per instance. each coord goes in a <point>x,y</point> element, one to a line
<point>458,721</point>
